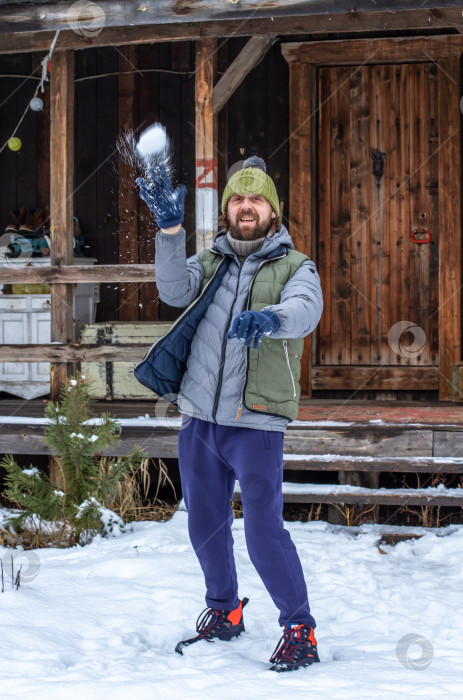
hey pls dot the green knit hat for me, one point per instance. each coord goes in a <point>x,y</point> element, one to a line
<point>252,179</point>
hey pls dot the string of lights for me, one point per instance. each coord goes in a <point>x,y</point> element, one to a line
<point>36,103</point>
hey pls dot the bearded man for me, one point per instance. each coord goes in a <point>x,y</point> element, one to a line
<point>233,359</point>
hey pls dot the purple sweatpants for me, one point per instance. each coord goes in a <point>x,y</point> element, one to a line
<point>211,457</point>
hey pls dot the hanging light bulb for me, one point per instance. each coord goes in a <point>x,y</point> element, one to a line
<point>14,144</point>
<point>36,104</point>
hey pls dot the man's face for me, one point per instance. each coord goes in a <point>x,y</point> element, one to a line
<point>250,217</point>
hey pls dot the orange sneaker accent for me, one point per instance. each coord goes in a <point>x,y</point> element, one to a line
<point>235,615</point>
<point>297,630</point>
<point>312,637</point>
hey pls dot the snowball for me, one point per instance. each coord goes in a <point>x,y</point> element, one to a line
<point>153,140</point>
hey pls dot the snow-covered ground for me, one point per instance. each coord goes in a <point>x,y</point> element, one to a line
<point>102,621</point>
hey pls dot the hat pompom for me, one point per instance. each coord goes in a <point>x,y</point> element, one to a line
<point>252,179</point>
<point>255,162</point>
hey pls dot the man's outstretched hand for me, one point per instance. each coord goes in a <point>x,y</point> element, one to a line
<point>167,204</point>
<point>252,325</point>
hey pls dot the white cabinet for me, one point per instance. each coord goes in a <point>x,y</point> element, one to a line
<point>13,328</point>
<point>26,319</point>
<point>40,333</point>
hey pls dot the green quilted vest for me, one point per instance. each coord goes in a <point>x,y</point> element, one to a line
<point>274,369</point>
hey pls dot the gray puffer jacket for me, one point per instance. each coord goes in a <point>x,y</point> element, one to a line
<point>179,280</point>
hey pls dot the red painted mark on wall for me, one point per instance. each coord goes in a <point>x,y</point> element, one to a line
<point>206,173</point>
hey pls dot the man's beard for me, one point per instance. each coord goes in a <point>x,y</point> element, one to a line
<point>260,230</point>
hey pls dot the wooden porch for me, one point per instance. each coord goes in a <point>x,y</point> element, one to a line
<point>347,446</point>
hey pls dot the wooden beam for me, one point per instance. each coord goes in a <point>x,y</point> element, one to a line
<point>366,51</point>
<point>157,442</point>
<point>61,201</point>
<point>79,273</point>
<point>39,37</point>
<point>27,17</point>
<point>377,378</point>
<point>247,59</point>
<point>450,274</point>
<point>73,353</point>
<point>206,145</point>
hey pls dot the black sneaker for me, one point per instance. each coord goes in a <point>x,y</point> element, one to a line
<point>296,648</point>
<point>217,624</point>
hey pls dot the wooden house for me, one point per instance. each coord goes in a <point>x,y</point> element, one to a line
<point>356,109</point>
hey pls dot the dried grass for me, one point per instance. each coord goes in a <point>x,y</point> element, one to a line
<point>36,538</point>
<point>237,508</point>
<point>131,501</point>
<point>354,514</point>
<point>428,516</point>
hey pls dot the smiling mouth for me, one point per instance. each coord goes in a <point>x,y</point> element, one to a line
<point>247,219</point>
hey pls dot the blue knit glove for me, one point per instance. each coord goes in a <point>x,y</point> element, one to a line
<point>167,204</point>
<point>250,325</point>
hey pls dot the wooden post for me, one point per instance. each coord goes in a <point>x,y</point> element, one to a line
<point>206,146</point>
<point>449,220</point>
<point>61,214</point>
<point>301,170</point>
<point>61,204</point>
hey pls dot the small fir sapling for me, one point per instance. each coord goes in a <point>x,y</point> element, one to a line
<point>76,442</point>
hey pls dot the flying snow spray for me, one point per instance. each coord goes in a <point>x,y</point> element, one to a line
<point>150,155</point>
<point>149,159</point>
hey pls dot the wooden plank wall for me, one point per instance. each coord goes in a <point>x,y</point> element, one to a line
<point>149,96</point>
<point>20,170</point>
<point>95,202</point>
<point>258,118</point>
<point>257,123</point>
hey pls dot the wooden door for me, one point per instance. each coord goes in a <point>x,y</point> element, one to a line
<point>349,99</point>
<point>380,286</point>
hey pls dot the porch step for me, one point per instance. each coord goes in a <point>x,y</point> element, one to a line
<point>342,493</point>
<point>358,463</point>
